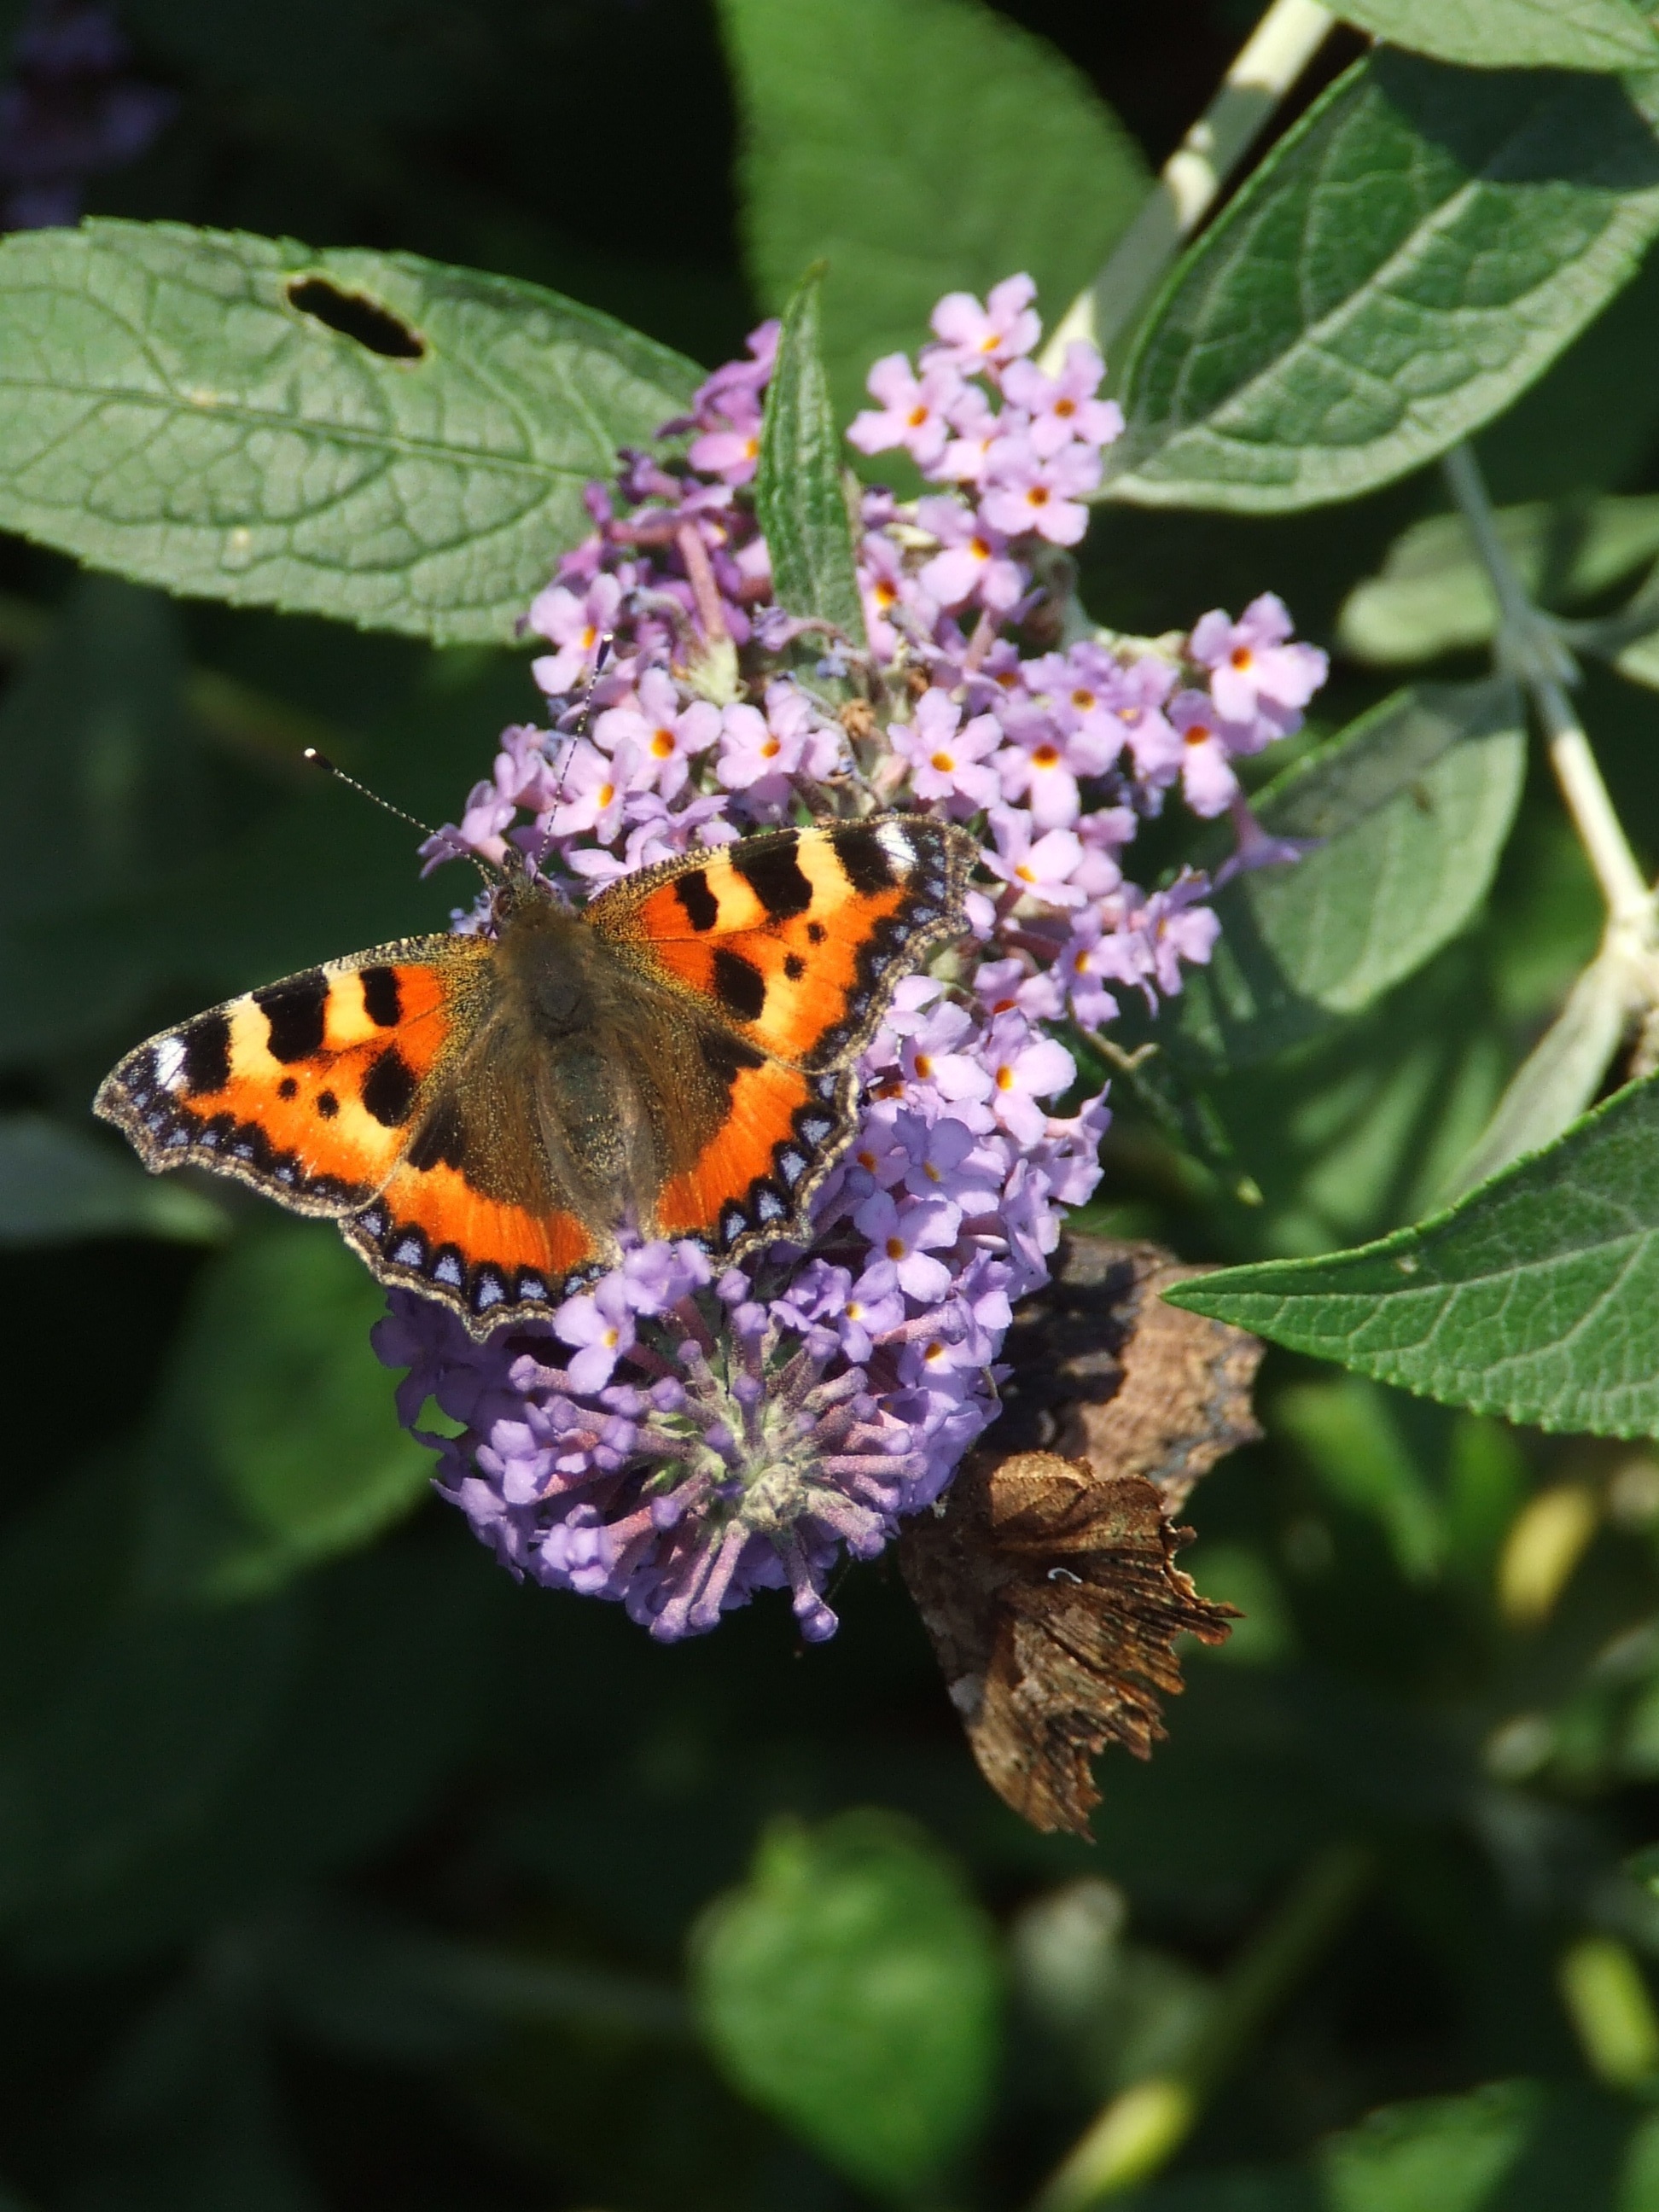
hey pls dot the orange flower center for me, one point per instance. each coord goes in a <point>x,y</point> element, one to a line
<point>662,743</point>
<point>1240,656</point>
<point>1046,757</point>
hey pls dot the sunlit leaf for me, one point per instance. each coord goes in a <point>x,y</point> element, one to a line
<point>1407,260</point>
<point>1585,34</point>
<point>1537,1297</point>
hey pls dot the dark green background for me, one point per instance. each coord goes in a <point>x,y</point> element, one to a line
<point>289,1791</point>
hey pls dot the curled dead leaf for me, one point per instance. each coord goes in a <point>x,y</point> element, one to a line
<point>1048,1581</point>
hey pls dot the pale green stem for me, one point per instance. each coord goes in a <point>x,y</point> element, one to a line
<point>1529,646</point>
<point>1268,64</point>
<point>1141,2128</point>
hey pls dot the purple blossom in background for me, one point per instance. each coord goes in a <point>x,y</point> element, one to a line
<point>71,108</point>
<point>676,1441</point>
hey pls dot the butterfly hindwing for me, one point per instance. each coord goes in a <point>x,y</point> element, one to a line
<point>795,938</point>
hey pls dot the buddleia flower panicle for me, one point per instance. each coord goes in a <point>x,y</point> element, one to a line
<point>676,1438</point>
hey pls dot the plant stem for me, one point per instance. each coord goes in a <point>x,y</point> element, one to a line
<point>1268,64</point>
<point>1529,646</point>
<point>1140,2129</point>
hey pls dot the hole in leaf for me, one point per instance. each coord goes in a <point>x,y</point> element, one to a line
<point>355,316</point>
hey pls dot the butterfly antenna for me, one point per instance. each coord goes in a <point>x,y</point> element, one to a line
<point>323,761</point>
<point>577,729</point>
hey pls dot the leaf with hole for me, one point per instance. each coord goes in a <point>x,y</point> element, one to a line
<point>371,436</point>
<point>1411,807</point>
<point>919,147</point>
<point>1536,1296</point>
<point>1581,34</point>
<point>1410,257</point>
<point>800,495</point>
<point>851,1988</point>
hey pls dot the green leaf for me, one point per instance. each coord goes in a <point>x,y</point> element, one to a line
<point>919,146</point>
<point>1412,806</point>
<point>1537,1297</point>
<point>799,484</point>
<point>191,408</point>
<point>58,1183</point>
<point>850,1988</point>
<point>1408,258</point>
<point>278,1443</point>
<point>1581,34</point>
<point>1431,596</point>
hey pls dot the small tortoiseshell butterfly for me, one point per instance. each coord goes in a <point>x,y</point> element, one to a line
<point>484,1117</point>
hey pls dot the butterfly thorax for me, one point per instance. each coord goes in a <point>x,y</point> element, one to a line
<point>569,1006</point>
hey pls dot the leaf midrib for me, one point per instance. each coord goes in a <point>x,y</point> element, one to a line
<point>395,444</point>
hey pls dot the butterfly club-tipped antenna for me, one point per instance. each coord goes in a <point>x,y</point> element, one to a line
<point>578,730</point>
<point>491,876</point>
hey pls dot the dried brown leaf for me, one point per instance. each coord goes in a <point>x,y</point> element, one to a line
<point>1048,1581</point>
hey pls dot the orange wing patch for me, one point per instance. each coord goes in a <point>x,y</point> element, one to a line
<point>303,1089</point>
<point>796,937</point>
<point>487,1258</point>
<point>759,1169</point>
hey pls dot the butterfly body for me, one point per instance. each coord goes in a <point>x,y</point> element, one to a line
<point>489,1117</point>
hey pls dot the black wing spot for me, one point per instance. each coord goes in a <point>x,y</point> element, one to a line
<point>793,966</point>
<point>327,1104</point>
<point>354,315</point>
<point>383,1001</point>
<point>441,1141</point>
<point>703,908</point>
<point>288,1088</point>
<point>774,874</point>
<point>868,865</point>
<point>389,1088</point>
<point>739,985</point>
<point>726,1057</point>
<point>293,1014</point>
<point>207,1054</point>
<point>816,932</point>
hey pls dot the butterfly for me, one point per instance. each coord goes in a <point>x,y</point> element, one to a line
<point>488,1117</point>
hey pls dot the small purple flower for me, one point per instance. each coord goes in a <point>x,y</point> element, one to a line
<point>576,622</point>
<point>1024,1068</point>
<point>1253,672</point>
<point>907,1236</point>
<point>973,563</point>
<point>1038,867</point>
<point>1027,490</point>
<point>664,735</point>
<point>971,337</point>
<point>915,414</point>
<point>1064,407</point>
<point>947,760</point>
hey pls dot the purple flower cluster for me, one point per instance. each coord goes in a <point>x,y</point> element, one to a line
<point>677,1439</point>
<point>72,106</point>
